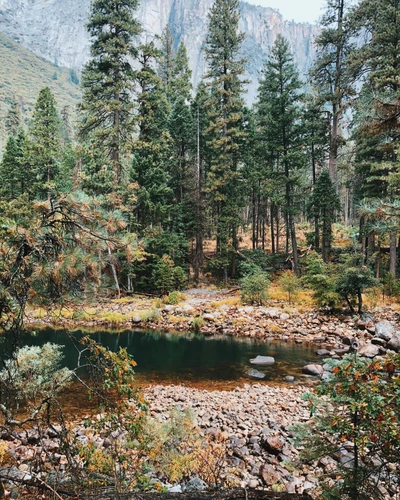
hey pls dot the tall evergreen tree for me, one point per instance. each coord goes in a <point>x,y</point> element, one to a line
<point>167,56</point>
<point>278,113</point>
<point>226,106</point>
<point>108,81</point>
<point>330,72</point>
<point>180,85</point>
<point>43,149</point>
<point>153,147</point>
<point>323,206</point>
<point>13,119</point>
<point>14,178</point>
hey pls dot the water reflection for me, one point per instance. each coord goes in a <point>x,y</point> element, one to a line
<point>188,358</point>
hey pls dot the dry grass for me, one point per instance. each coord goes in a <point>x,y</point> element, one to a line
<point>230,301</point>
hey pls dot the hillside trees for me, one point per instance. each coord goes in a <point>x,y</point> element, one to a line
<point>108,82</point>
<point>226,68</point>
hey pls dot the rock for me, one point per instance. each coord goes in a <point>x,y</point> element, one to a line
<point>208,317</point>
<point>313,369</point>
<point>263,360</point>
<point>394,342</point>
<point>369,350</point>
<point>136,319</point>
<point>269,475</point>
<point>255,374</point>
<point>273,444</point>
<point>176,489</point>
<point>253,484</point>
<point>289,378</point>
<point>196,484</point>
<point>384,330</point>
<point>188,309</point>
<point>323,352</point>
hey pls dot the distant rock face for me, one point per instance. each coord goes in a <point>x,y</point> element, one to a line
<point>55,29</point>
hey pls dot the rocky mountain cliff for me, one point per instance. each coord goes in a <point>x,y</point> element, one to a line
<point>55,29</point>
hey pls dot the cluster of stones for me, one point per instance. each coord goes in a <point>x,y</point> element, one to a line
<point>255,420</point>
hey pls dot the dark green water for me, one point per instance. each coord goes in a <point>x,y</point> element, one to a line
<point>191,359</point>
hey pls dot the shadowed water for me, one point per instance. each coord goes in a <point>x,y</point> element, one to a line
<point>209,362</point>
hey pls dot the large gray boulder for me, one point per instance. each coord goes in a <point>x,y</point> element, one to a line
<point>394,342</point>
<point>384,330</point>
<point>263,360</point>
<point>369,350</point>
<point>313,369</point>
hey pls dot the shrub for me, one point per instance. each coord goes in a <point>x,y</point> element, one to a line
<point>175,297</point>
<point>197,323</point>
<point>254,288</point>
<point>289,283</point>
<point>359,407</point>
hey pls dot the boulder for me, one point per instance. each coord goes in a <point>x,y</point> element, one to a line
<point>269,475</point>
<point>263,360</point>
<point>384,330</point>
<point>196,484</point>
<point>323,352</point>
<point>273,444</point>
<point>289,378</point>
<point>313,369</point>
<point>255,373</point>
<point>369,350</point>
<point>136,319</point>
<point>394,342</point>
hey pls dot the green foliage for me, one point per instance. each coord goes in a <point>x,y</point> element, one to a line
<point>254,288</point>
<point>14,179</point>
<point>226,133</point>
<point>289,283</point>
<point>358,407</point>
<point>197,324</point>
<point>44,145</point>
<point>174,298</point>
<point>321,279</point>
<point>352,281</point>
<point>108,81</point>
<point>34,374</point>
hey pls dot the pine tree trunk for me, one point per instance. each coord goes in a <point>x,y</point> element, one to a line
<point>272,230</point>
<point>393,255</point>
<point>114,273</point>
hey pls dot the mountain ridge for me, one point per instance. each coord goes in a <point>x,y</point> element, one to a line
<point>55,29</point>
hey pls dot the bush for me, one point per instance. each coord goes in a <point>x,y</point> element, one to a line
<point>359,407</point>
<point>289,283</point>
<point>254,288</point>
<point>321,279</point>
<point>197,323</point>
<point>175,297</point>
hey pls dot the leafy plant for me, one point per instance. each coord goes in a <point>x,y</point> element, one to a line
<point>289,283</point>
<point>197,323</point>
<point>356,412</point>
<point>254,288</point>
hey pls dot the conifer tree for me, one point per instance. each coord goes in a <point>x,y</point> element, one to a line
<point>323,207</point>
<point>180,85</point>
<point>152,149</point>
<point>278,114</point>
<point>330,71</point>
<point>166,59</point>
<point>108,81</point>
<point>14,178</point>
<point>226,105</point>
<point>44,144</point>
<point>13,119</point>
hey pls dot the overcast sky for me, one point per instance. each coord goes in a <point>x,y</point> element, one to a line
<point>299,10</point>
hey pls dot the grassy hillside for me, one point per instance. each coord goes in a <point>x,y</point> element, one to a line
<point>23,74</point>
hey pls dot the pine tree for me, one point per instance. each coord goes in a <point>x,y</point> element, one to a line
<point>323,206</point>
<point>278,114</point>
<point>13,119</point>
<point>377,108</point>
<point>152,150</point>
<point>226,106</point>
<point>14,178</point>
<point>180,85</point>
<point>330,72</point>
<point>44,144</point>
<point>167,56</point>
<point>108,81</point>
